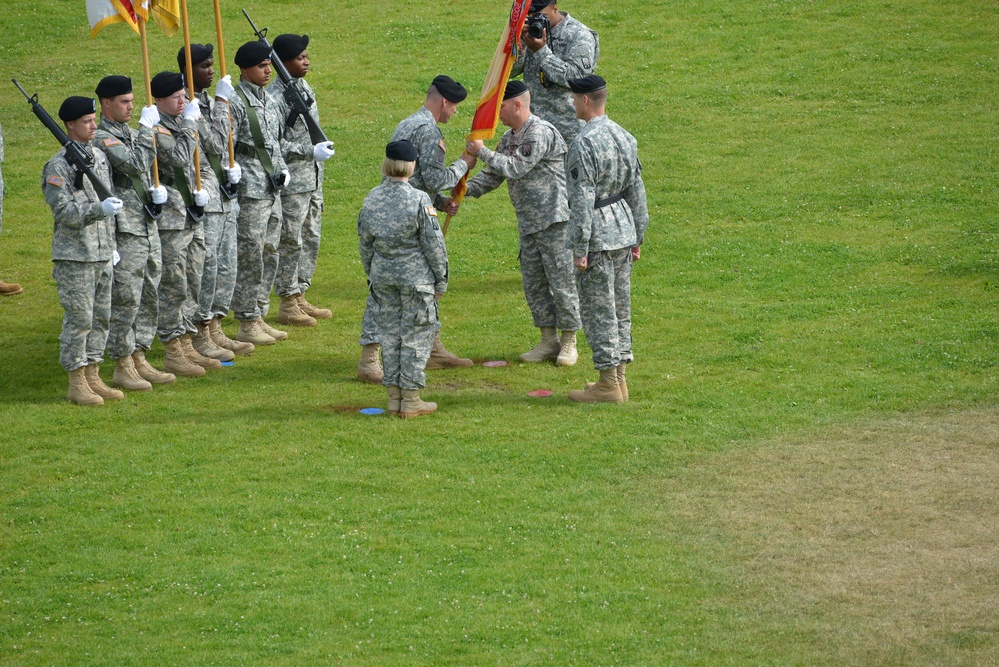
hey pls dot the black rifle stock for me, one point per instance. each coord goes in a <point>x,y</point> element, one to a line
<point>300,106</point>
<point>75,154</point>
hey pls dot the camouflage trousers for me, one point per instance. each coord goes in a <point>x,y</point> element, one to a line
<point>547,272</point>
<point>257,239</point>
<point>406,317</point>
<point>294,210</point>
<point>370,333</point>
<point>85,295</point>
<point>218,281</point>
<point>196,254</point>
<point>312,230</point>
<point>174,291</point>
<point>134,300</point>
<point>605,305</point>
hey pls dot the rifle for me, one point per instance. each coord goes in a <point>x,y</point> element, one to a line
<point>75,155</point>
<point>300,105</point>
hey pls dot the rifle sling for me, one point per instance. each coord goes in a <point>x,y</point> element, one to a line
<point>258,136</point>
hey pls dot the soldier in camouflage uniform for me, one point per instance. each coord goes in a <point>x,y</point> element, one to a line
<point>181,238</point>
<point>607,223</point>
<point>257,130</point>
<point>6,289</point>
<point>432,175</point>
<point>531,158</point>
<point>301,201</point>
<point>218,278</point>
<point>403,253</point>
<point>134,304</point>
<point>82,255</point>
<point>567,50</point>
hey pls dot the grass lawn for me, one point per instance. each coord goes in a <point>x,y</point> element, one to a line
<point>806,473</point>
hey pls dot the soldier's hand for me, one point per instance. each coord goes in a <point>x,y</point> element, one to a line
<point>111,205</point>
<point>200,197</point>
<point>450,206</point>
<point>224,89</point>
<point>192,110</point>
<point>636,253</point>
<point>323,152</point>
<point>158,195</point>
<point>234,173</point>
<point>473,146</point>
<point>438,295</point>
<point>150,116</point>
<point>287,178</point>
<point>534,43</point>
<point>469,159</point>
<point>580,263</point>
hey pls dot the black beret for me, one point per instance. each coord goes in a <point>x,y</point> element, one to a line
<point>449,88</point>
<point>288,47</point>
<point>166,84</point>
<point>590,83</point>
<point>401,150</point>
<point>253,53</point>
<point>514,88</point>
<point>77,107</point>
<point>113,86</point>
<point>199,54</point>
<point>538,5</point>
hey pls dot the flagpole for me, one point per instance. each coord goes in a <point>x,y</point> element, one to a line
<point>190,89</point>
<point>149,91</point>
<point>221,61</point>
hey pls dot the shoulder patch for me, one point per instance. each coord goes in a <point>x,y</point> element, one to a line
<point>111,141</point>
<point>442,146</point>
<point>54,180</point>
<point>575,173</point>
<point>586,63</point>
<point>163,130</point>
<point>526,149</point>
<point>431,211</point>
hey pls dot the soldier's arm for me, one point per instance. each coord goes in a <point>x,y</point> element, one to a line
<point>518,66</point>
<point>578,61</point>
<point>366,242</point>
<point>514,165</point>
<point>124,159</point>
<point>61,196</point>
<point>483,182</point>
<point>216,140</point>
<point>582,195</point>
<point>431,162</point>
<point>432,242</point>
<point>634,194</point>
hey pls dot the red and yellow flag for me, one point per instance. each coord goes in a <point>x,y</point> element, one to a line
<point>166,13</point>
<point>102,13</point>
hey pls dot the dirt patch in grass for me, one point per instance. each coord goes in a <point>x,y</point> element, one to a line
<point>876,543</point>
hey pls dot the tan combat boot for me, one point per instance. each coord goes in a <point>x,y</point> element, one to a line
<point>80,391</point>
<point>547,349</point>
<point>223,341</point>
<point>93,375</point>
<point>276,334</point>
<point>312,311</point>
<point>621,381</point>
<point>412,406</point>
<point>441,358</point>
<point>250,331</point>
<point>176,361</point>
<point>204,345</point>
<point>369,369</point>
<point>126,377</point>
<point>10,289</point>
<point>290,313</point>
<point>147,372</point>
<point>567,354</point>
<point>395,400</point>
<point>195,356</point>
<point>604,390</point>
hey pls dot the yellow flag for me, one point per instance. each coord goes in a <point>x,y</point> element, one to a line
<point>166,13</point>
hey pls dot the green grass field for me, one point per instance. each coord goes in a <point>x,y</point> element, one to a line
<point>806,473</point>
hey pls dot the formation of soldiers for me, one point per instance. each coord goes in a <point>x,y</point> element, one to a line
<point>191,234</point>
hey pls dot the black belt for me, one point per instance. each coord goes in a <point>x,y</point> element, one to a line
<point>607,201</point>
<point>246,150</point>
<point>121,180</point>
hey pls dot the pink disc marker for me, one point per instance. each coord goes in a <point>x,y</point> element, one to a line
<point>540,393</point>
<point>494,364</point>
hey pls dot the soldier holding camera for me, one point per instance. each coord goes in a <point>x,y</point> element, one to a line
<point>559,48</point>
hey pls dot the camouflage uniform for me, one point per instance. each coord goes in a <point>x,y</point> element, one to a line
<point>431,175</point>
<point>532,161</point>
<point>603,163</point>
<point>176,141</point>
<point>218,279</point>
<point>571,52</point>
<point>134,304</point>
<point>403,253</point>
<point>82,252</point>
<point>257,234</point>
<point>299,200</point>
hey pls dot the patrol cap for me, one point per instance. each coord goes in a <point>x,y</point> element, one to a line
<point>289,47</point>
<point>514,88</point>
<point>77,107</point>
<point>199,54</point>
<point>252,53</point>
<point>113,86</point>
<point>450,89</point>
<point>166,84</point>
<point>401,150</point>
<point>538,5</point>
<point>590,83</point>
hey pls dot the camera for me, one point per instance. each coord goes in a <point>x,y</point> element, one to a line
<point>537,25</point>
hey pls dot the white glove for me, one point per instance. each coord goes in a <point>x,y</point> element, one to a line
<point>234,173</point>
<point>158,195</point>
<point>287,177</point>
<point>150,116</point>
<point>115,258</point>
<point>192,111</point>
<point>111,205</point>
<point>200,197</point>
<point>323,152</point>
<point>224,89</point>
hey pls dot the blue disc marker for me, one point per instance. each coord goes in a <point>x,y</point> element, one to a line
<point>227,363</point>
<point>371,411</point>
